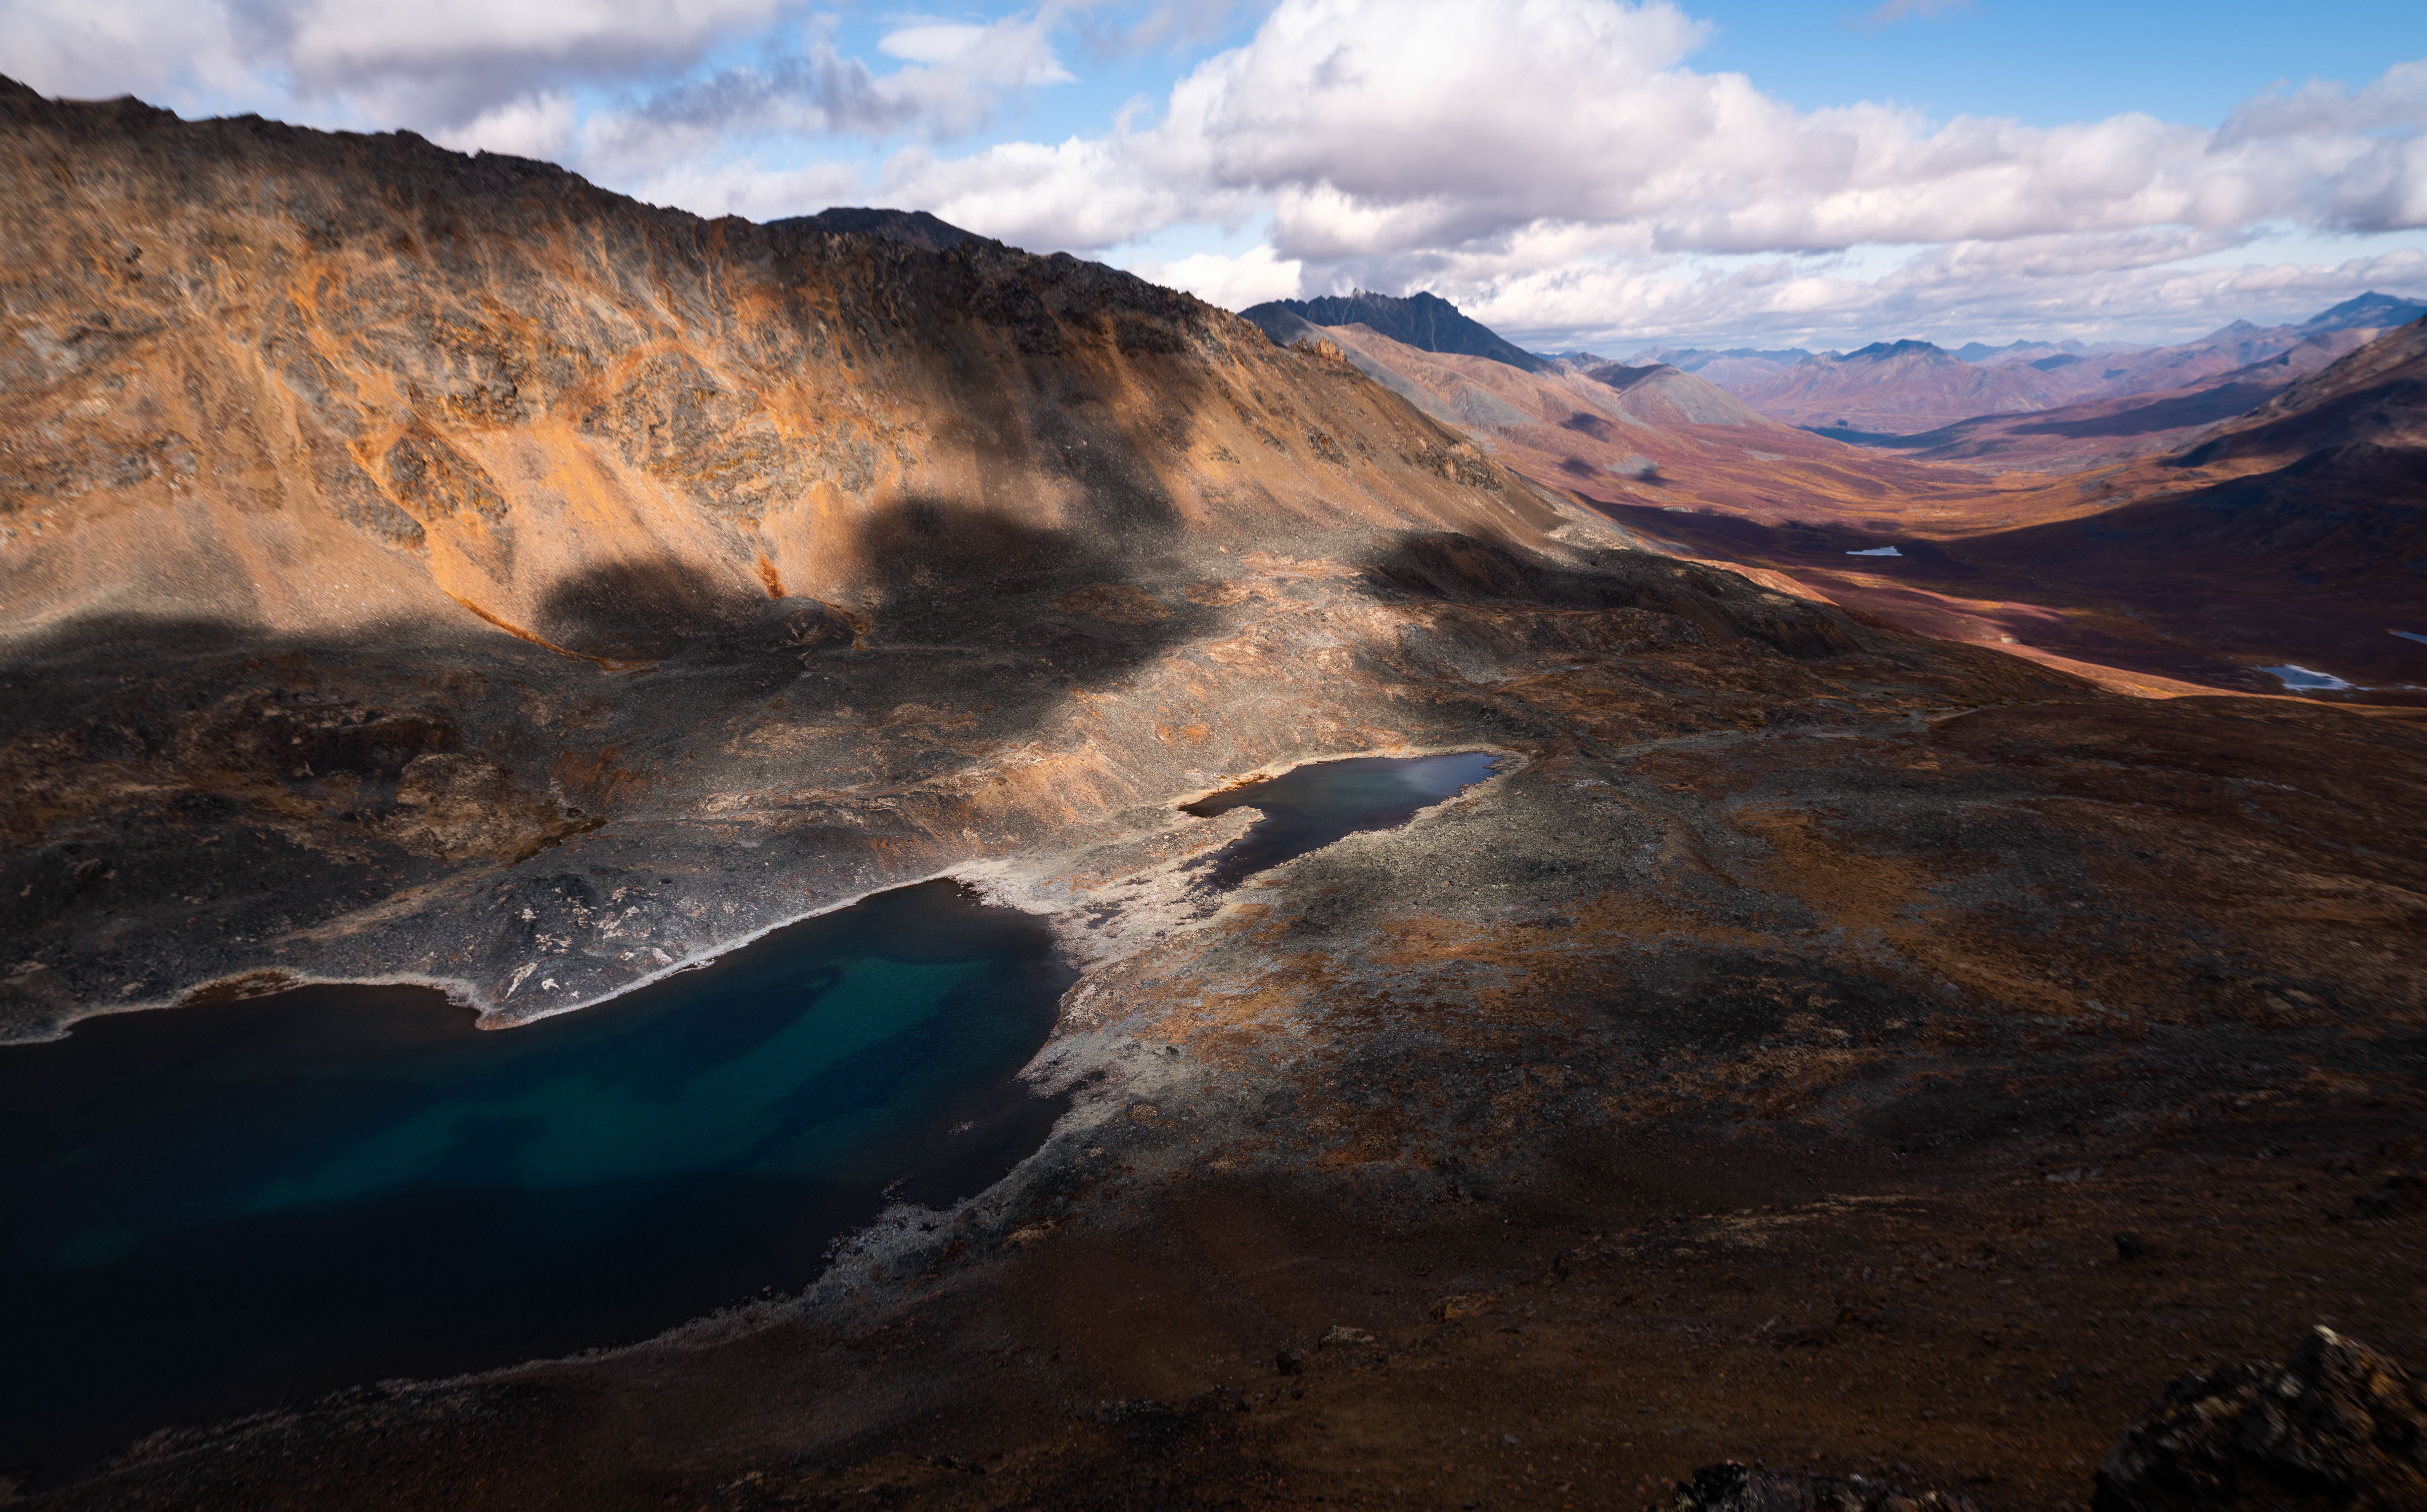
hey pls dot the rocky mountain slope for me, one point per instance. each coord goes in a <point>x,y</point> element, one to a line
<point>434,568</point>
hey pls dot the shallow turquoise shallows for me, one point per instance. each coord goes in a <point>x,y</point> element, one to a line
<point>208,1210</point>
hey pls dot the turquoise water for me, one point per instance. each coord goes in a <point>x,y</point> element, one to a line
<point>208,1210</point>
<point>1308,808</point>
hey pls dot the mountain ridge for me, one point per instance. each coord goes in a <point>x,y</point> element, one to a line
<point>1422,320</point>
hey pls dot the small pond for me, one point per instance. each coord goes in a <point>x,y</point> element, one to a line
<point>1308,808</point>
<point>208,1210</point>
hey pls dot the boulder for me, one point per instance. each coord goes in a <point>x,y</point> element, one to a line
<point>2338,1425</point>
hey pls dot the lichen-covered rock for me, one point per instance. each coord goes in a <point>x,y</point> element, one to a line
<point>2339,1425</point>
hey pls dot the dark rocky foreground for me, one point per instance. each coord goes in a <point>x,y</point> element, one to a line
<point>1909,1099</point>
<point>1825,1048</point>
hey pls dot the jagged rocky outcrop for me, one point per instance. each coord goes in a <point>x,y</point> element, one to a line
<point>2336,1426</point>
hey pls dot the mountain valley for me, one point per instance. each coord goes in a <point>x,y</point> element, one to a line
<point>1838,1019</point>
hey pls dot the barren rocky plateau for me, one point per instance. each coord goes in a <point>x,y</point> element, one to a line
<point>1821,1047</point>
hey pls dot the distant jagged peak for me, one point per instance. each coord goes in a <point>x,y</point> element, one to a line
<point>1880,351</point>
<point>2369,309</point>
<point>914,228</point>
<point>1425,321</point>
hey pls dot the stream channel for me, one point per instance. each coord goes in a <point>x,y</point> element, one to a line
<point>213,1208</point>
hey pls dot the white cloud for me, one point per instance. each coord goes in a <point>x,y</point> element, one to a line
<point>1556,162</point>
<point>2057,286</point>
<point>431,64</point>
<point>1079,194</point>
<point>933,43</point>
<point>1232,283</point>
<point>823,93</point>
<point>499,75</point>
<point>540,126</point>
<point>1382,130</point>
<point>751,190</point>
<point>81,50</point>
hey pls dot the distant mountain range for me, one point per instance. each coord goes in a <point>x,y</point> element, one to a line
<point>2250,497</point>
<point>1910,394</point>
<point>1907,395</point>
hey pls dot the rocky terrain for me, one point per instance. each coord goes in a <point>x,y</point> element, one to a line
<point>1823,1046</point>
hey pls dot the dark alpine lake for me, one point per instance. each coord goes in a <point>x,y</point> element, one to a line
<point>209,1210</point>
<point>1308,808</point>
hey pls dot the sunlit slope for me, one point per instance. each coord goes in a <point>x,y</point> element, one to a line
<point>289,380</point>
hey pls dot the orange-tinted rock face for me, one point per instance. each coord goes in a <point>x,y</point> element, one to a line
<point>301,381</point>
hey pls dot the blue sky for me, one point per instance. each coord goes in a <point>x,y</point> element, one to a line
<point>1575,171</point>
<point>2050,61</point>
